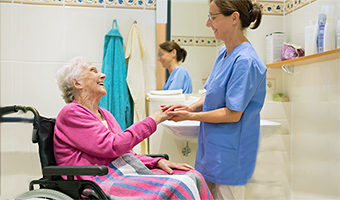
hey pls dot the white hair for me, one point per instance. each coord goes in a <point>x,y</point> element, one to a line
<point>71,70</point>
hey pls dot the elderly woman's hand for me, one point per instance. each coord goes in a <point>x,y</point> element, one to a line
<point>167,166</point>
<point>160,116</point>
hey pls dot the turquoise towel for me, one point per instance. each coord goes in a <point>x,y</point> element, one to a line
<point>118,99</point>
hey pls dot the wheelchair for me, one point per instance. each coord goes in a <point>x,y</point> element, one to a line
<point>52,185</point>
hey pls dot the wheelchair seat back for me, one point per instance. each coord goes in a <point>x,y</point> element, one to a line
<point>44,138</point>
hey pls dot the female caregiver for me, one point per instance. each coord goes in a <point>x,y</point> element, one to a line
<point>230,110</point>
<point>170,54</point>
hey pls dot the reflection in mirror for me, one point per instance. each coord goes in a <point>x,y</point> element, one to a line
<point>188,29</point>
<point>171,56</point>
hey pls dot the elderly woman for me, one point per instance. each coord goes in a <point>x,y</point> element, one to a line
<point>86,134</point>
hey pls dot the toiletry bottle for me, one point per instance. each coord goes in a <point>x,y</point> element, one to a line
<point>321,29</point>
<point>338,35</point>
<point>310,38</point>
<point>329,36</point>
<point>315,38</point>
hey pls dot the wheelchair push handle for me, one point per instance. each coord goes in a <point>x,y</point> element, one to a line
<point>16,108</point>
<point>13,109</point>
<point>7,110</point>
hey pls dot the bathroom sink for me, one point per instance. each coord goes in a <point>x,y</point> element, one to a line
<point>183,130</point>
<point>188,130</point>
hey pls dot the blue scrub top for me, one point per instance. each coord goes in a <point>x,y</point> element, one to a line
<point>227,152</point>
<point>179,79</point>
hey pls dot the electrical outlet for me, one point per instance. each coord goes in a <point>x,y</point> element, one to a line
<point>271,84</point>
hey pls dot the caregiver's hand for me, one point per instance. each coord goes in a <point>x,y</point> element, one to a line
<point>180,115</point>
<point>175,107</point>
<point>167,166</point>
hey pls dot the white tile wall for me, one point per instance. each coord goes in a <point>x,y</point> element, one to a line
<point>40,87</point>
<point>84,32</point>
<point>7,31</point>
<point>311,117</point>
<point>18,33</point>
<point>200,14</point>
<point>42,33</point>
<point>11,83</point>
<point>179,26</point>
<point>315,130</point>
<point>314,93</point>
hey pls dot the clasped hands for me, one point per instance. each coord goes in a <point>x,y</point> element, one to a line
<point>177,112</point>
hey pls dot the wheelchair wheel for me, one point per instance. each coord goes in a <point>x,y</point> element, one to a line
<point>43,194</point>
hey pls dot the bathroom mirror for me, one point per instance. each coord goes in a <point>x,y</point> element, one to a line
<point>188,29</point>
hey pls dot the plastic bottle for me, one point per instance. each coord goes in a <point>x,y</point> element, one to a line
<point>315,38</point>
<point>310,38</point>
<point>338,35</point>
<point>321,29</point>
<point>329,36</point>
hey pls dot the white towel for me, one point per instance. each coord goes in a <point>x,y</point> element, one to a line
<point>134,54</point>
<point>167,92</point>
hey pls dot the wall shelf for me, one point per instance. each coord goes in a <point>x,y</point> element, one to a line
<point>319,57</point>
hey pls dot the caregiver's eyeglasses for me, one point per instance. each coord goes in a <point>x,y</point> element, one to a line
<point>211,16</point>
<point>160,54</point>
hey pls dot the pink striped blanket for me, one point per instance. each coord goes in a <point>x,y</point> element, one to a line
<point>129,178</point>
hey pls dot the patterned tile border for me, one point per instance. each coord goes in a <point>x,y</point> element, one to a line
<point>278,8</point>
<point>293,5</point>
<point>271,8</point>
<point>131,3</point>
<point>196,41</point>
<point>139,4</point>
<point>268,7</point>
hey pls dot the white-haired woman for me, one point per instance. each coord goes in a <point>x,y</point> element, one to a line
<point>86,134</point>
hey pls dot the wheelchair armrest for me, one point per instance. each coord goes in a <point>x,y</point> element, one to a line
<point>166,156</point>
<point>99,170</point>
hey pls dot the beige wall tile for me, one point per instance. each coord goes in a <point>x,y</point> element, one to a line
<point>43,33</point>
<point>182,21</point>
<point>6,31</point>
<point>17,32</point>
<point>276,110</point>
<point>11,83</point>
<point>41,92</point>
<point>84,32</point>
